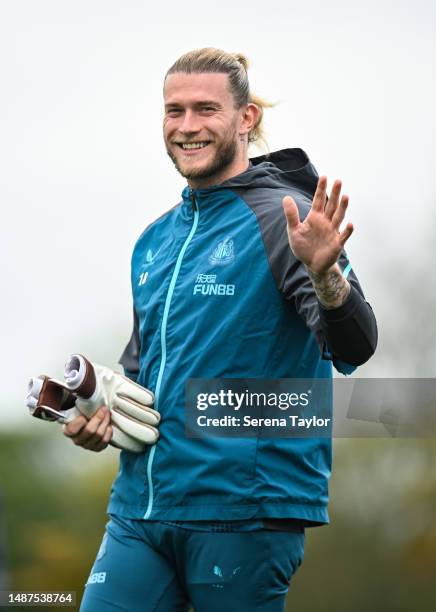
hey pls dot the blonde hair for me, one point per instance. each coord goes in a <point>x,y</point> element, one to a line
<point>235,65</point>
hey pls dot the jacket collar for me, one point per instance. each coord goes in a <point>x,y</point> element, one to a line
<point>288,167</point>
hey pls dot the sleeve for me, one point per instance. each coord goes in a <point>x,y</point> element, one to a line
<point>348,334</point>
<point>350,330</point>
<point>130,356</point>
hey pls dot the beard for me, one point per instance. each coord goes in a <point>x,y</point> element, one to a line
<point>224,156</point>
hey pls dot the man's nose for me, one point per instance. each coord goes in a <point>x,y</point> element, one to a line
<point>190,123</point>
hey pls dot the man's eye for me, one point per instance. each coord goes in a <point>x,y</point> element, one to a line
<point>208,109</point>
<point>173,112</point>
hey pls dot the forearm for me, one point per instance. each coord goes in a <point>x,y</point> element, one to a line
<point>350,330</point>
<point>331,288</point>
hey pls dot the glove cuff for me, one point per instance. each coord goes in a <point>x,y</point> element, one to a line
<point>80,376</point>
<point>48,398</point>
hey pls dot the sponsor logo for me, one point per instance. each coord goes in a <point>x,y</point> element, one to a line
<point>149,258</point>
<point>206,284</point>
<point>223,253</point>
<point>97,578</point>
<point>142,279</point>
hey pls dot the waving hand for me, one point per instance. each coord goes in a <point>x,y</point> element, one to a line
<point>317,241</point>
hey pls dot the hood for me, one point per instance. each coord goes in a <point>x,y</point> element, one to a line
<point>274,170</point>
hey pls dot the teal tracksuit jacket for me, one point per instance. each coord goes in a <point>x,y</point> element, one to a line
<point>217,292</point>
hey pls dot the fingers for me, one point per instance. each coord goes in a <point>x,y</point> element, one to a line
<point>335,210</point>
<point>291,212</point>
<point>343,236</point>
<point>105,433</point>
<point>340,211</point>
<point>75,426</point>
<point>319,199</point>
<point>94,434</point>
<point>333,200</point>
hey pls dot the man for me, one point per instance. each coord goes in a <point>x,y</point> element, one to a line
<point>245,278</point>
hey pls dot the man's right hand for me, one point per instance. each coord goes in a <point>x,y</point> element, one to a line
<point>114,410</point>
<point>93,434</point>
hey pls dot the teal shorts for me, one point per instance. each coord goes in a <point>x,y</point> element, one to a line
<point>145,566</point>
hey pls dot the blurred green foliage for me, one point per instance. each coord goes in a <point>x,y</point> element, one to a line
<point>379,552</point>
<point>54,508</point>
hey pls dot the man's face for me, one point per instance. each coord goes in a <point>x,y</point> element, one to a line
<point>200,125</point>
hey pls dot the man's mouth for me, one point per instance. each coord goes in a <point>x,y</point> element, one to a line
<point>187,146</point>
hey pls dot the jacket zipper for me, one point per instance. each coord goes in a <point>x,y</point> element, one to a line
<point>163,330</point>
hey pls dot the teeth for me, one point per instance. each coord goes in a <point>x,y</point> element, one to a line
<point>194,145</point>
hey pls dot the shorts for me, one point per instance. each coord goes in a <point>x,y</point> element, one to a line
<point>148,566</point>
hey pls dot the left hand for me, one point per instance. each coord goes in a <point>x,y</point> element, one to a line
<point>317,241</point>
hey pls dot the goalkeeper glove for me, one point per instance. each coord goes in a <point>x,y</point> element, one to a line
<point>90,386</point>
<point>130,404</point>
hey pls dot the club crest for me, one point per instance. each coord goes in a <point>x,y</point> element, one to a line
<point>223,253</point>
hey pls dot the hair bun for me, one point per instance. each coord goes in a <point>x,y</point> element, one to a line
<point>242,59</point>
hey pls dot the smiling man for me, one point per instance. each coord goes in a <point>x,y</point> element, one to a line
<point>245,278</point>
<point>201,127</point>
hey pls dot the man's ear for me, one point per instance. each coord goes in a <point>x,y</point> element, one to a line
<point>250,118</point>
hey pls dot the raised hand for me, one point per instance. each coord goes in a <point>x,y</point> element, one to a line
<point>317,241</point>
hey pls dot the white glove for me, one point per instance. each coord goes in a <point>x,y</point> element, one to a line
<point>130,404</point>
<point>50,400</point>
<point>132,419</point>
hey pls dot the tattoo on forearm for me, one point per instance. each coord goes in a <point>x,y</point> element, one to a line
<point>332,288</point>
